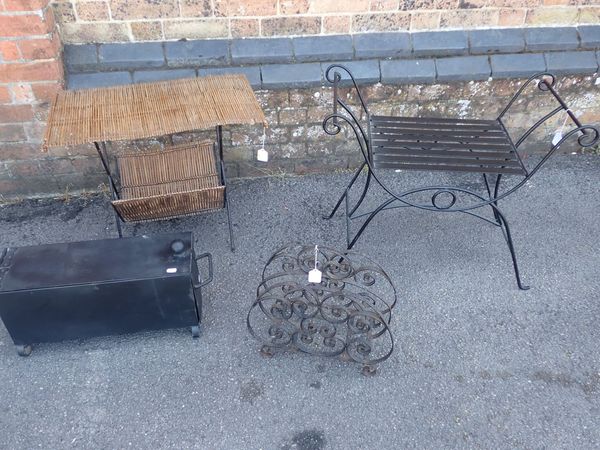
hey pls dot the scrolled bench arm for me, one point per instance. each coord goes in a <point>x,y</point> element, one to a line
<point>335,78</point>
<point>541,76</point>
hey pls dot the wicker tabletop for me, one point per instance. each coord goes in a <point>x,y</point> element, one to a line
<point>150,109</point>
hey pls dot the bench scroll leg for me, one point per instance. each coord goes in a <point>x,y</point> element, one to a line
<point>341,199</point>
<point>511,247</point>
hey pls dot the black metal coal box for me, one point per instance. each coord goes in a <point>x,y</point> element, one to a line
<point>57,292</point>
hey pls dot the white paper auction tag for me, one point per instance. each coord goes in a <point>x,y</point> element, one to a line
<point>262,155</point>
<point>314,276</point>
<point>557,137</point>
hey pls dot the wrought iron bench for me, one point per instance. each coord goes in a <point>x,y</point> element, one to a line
<point>442,144</point>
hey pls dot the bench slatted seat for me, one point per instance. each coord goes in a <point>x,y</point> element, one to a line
<point>441,144</point>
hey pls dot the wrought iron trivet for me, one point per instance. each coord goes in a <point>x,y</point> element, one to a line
<point>347,314</point>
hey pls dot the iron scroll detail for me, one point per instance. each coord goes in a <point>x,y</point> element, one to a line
<point>348,314</point>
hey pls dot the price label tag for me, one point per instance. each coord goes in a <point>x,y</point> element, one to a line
<point>557,137</point>
<point>314,276</point>
<point>262,155</point>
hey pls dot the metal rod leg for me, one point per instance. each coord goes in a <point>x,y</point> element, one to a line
<point>363,195</point>
<point>511,247</point>
<point>231,241</point>
<point>339,202</point>
<point>368,220</point>
<point>496,188</point>
<point>118,223</point>
<point>345,196</point>
<point>224,181</point>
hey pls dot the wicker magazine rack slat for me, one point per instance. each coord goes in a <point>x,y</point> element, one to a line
<point>179,181</point>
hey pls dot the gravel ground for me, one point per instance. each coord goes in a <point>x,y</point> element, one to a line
<point>477,364</point>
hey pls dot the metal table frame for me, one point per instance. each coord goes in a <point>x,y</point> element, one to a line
<point>113,181</point>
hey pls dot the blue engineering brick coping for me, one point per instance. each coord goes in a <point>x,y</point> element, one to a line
<point>394,57</point>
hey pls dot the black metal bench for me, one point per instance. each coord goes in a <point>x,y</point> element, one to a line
<point>442,144</point>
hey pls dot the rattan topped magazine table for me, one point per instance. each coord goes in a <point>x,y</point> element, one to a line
<point>180,180</point>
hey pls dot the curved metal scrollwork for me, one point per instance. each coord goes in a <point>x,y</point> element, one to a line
<point>347,314</point>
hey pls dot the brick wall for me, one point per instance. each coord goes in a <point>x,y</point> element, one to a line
<point>84,21</point>
<point>31,71</point>
<point>297,143</point>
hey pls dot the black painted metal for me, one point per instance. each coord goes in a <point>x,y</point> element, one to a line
<point>348,314</point>
<point>443,144</point>
<point>75,290</point>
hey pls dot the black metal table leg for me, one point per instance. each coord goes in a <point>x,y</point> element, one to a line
<point>111,182</point>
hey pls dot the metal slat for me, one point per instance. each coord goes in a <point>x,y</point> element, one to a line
<point>437,126</point>
<point>426,152</point>
<point>392,119</point>
<point>438,145</point>
<point>451,168</point>
<point>423,139</point>
<point>437,160</point>
<point>453,135</point>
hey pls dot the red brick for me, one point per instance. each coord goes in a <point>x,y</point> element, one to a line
<point>15,113</point>
<point>58,166</point>
<point>383,5</point>
<point>146,31</point>
<point>40,48</point>
<point>92,11</point>
<point>22,150</point>
<point>9,51</point>
<point>41,111</point>
<point>291,7</point>
<point>388,21</point>
<point>244,27</point>
<point>512,17</point>
<point>35,130</point>
<point>195,8</point>
<point>24,168</point>
<point>229,8</point>
<point>30,186</point>
<point>49,19</point>
<point>336,24</point>
<point>25,5</point>
<point>285,26</point>
<point>12,133</point>
<point>4,95</point>
<point>45,92</point>
<point>22,93</point>
<point>143,9</point>
<point>342,6</point>
<point>33,71</point>
<point>24,25</point>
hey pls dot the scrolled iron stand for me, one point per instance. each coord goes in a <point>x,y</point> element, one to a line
<point>348,314</point>
<point>588,136</point>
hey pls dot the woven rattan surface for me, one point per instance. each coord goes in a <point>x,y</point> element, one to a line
<point>150,109</point>
<point>181,180</point>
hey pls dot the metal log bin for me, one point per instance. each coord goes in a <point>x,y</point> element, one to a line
<point>57,292</point>
<point>346,314</point>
